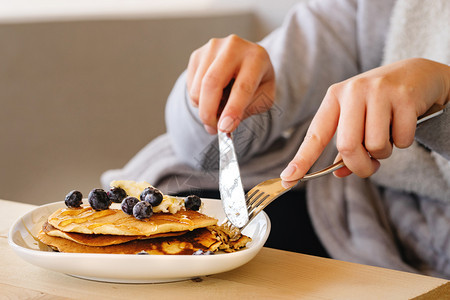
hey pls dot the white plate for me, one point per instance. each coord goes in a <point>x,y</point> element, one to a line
<point>126,268</point>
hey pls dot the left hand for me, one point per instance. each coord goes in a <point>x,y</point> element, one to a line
<point>210,70</point>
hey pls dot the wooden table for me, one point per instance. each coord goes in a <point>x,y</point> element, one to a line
<point>272,274</point>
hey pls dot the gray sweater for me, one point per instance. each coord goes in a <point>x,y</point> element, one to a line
<point>399,218</point>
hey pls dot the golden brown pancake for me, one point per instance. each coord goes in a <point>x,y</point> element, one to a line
<point>170,230</point>
<point>185,244</point>
<point>116,222</point>
<point>100,239</point>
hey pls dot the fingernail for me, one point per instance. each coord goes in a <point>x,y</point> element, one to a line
<point>210,130</point>
<point>226,124</point>
<point>194,104</point>
<point>288,172</point>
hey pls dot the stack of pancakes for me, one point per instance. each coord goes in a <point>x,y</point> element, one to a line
<point>85,230</point>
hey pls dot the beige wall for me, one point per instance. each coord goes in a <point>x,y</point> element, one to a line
<point>80,97</point>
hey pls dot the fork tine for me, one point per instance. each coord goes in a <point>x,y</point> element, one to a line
<point>258,200</point>
<point>261,201</point>
<point>251,193</point>
<point>258,205</point>
<point>254,197</point>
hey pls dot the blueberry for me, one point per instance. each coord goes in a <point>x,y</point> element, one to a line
<point>201,252</point>
<point>147,190</point>
<point>128,203</point>
<point>192,202</point>
<point>154,197</point>
<point>116,194</point>
<point>74,199</point>
<point>98,199</point>
<point>142,210</point>
<point>143,252</point>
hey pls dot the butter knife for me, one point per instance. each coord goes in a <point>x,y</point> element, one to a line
<point>230,184</point>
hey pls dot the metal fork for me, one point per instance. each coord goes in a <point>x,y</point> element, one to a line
<point>267,191</point>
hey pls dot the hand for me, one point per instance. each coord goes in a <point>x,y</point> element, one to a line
<point>214,65</point>
<point>372,112</point>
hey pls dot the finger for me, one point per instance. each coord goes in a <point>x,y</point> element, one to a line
<point>248,80</point>
<point>403,126</point>
<point>350,132</point>
<point>320,132</point>
<point>211,130</point>
<point>194,61</point>
<point>199,69</point>
<point>220,72</point>
<point>377,133</point>
<point>342,172</point>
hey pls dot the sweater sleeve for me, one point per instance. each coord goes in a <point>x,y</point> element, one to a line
<point>316,46</point>
<point>434,133</point>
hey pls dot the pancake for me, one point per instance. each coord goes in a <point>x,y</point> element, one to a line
<point>100,239</point>
<point>116,222</point>
<point>186,244</point>
<point>170,230</point>
<point>212,238</point>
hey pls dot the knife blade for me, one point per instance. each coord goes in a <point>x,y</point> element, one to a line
<point>230,183</point>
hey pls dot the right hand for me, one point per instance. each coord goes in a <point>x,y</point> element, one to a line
<point>370,113</point>
<point>214,65</point>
